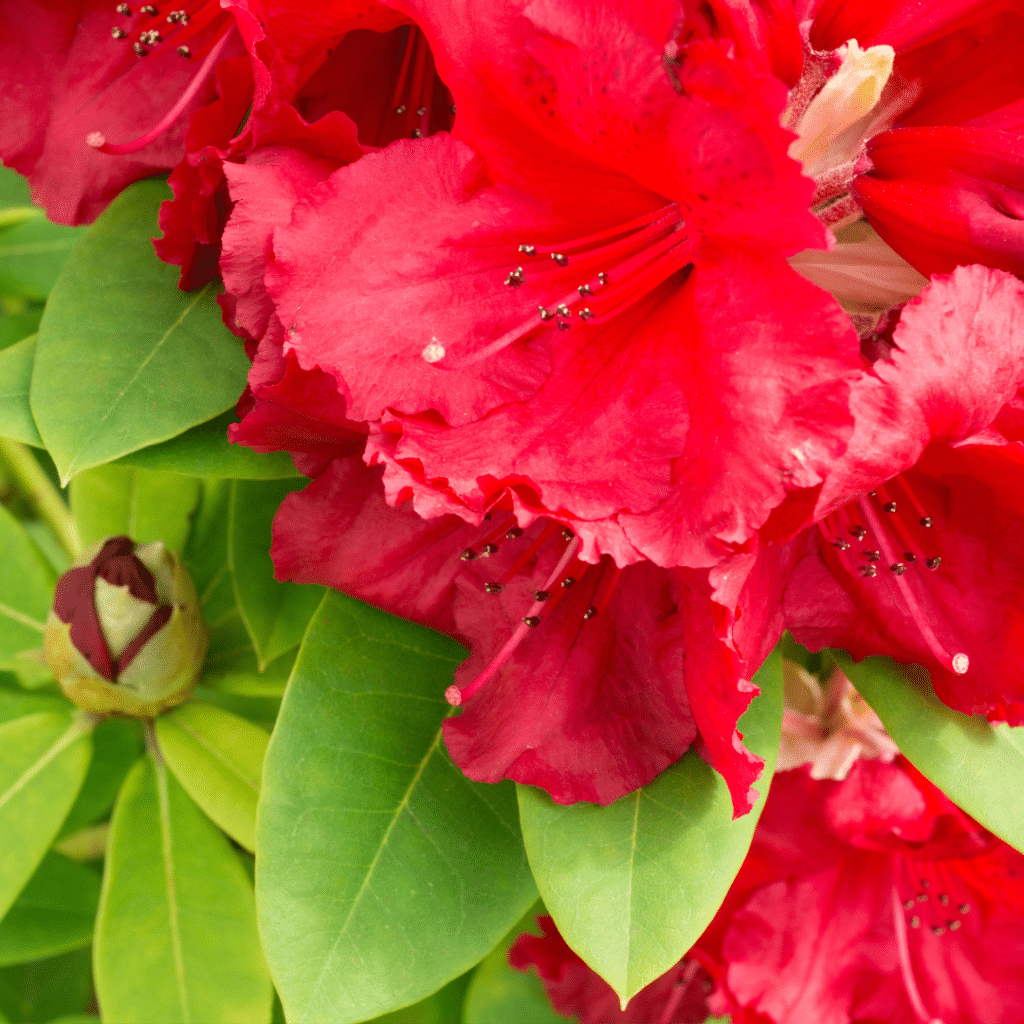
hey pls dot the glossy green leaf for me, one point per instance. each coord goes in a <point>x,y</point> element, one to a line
<point>43,761</point>
<point>117,745</point>
<point>371,844</point>
<point>275,614</point>
<point>125,359</point>
<point>54,913</point>
<point>973,762</point>
<point>443,1007</point>
<point>632,885</point>
<point>15,379</point>
<point>32,253</point>
<point>218,759</point>
<point>176,939</point>
<point>141,504</point>
<point>15,702</point>
<point>38,992</point>
<point>206,554</point>
<point>15,327</point>
<point>205,451</point>
<point>498,992</point>
<point>26,591</point>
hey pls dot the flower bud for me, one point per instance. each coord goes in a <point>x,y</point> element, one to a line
<point>126,631</point>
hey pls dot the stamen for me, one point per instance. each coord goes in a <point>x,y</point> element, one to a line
<point>906,968</point>
<point>99,141</point>
<point>453,694</point>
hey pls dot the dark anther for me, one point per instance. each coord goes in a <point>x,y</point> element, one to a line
<point>868,571</point>
<point>118,33</point>
<point>926,521</point>
<point>925,884</point>
<point>953,925</point>
<point>468,555</point>
<point>602,278</point>
<point>150,38</point>
<point>915,922</point>
<point>401,108</point>
<point>938,930</point>
<point>568,581</point>
<point>590,612</point>
<point>909,905</point>
<point>124,9</point>
<point>585,313</point>
<point>910,556</point>
<point>489,549</point>
<point>562,261</point>
<point>563,325</point>
<point>452,108</point>
<point>545,314</point>
<point>513,533</point>
<point>890,506</point>
<point>541,595</point>
<point>944,900</point>
<point>515,278</point>
<point>933,563</point>
<point>563,310</point>
<point>415,134</point>
<point>532,621</point>
<point>528,250</point>
<point>567,534</point>
<point>965,908</point>
<point>421,111</point>
<point>493,588</point>
<point>584,289</point>
<point>871,556</point>
<point>922,897</point>
<point>149,9</point>
<point>859,532</point>
<point>872,494</point>
<point>140,50</point>
<point>897,568</point>
<point>184,51</point>
<point>843,545</point>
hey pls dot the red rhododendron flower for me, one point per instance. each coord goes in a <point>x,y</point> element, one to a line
<point>123,75</point>
<point>919,548</point>
<point>868,899</point>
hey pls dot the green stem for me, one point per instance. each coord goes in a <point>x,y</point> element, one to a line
<point>36,488</point>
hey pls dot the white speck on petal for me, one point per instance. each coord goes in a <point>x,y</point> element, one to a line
<point>433,352</point>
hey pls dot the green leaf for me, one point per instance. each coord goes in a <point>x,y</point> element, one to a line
<point>15,327</point>
<point>205,451</point>
<point>141,504</point>
<point>16,703</point>
<point>974,763</point>
<point>36,992</point>
<point>53,914</point>
<point>632,885</point>
<point>43,760</point>
<point>498,992</point>
<point>14,190</point>
<point>125,359</point>
<point>206,554</point>
<point>15,378</point>
<point>32,253</point>
<point>176,939</point>
<point>275,614</point>
<point>443,1007</point>
<point>218,759</point>
<point>117,745</point>
<point>371,843</point>
<point>26,591</point>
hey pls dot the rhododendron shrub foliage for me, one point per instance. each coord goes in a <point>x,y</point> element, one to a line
<point>517,381</point>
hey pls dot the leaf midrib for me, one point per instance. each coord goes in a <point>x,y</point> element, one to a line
<point>74,730</point>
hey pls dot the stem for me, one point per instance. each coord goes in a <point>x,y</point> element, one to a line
<point>36,488</point>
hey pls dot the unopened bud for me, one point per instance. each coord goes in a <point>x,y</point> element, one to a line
<point>126,632</point>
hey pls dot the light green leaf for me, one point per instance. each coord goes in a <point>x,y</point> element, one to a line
<point>371,844</point>
<point>36,992</point>
<point>632,885</point>
<point>498,992</point>
<point>275,614</point>
<point>973,762</point>
<point>205,451</point>
<point>53,914</point>
<point>14,190</point>
<point>206,554</point>
<point>32,253</point>
<point>177,911</point>
<point>125,359</point>
<point>16,703</point>
<point>218,759</point>
<point>15,379</point>
<point>443,1007</point>
<point>43,761</point>
<point>15,327</point>
<point>141,504</point>
<point>26,591</point>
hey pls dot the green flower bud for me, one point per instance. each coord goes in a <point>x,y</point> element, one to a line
<point>126,632</point>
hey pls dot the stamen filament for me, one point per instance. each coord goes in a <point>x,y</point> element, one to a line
<point>906,968</point>
<point>99,141</point>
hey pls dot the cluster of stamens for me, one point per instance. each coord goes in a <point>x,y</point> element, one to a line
<point>415,85</point>
<point>599,582</point>
<point>921,902</point>
<point>897,545</point>
<point>178,26</point>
